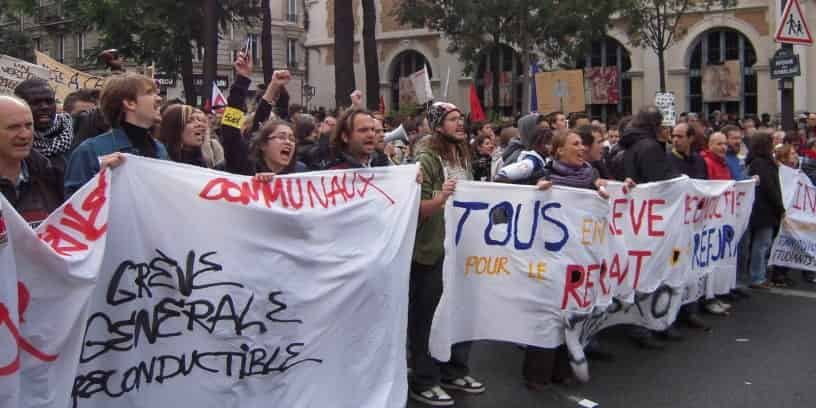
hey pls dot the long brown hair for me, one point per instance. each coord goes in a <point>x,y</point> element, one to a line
<point>345,125</point>
<point>174,119</point>
<point>261,137</point>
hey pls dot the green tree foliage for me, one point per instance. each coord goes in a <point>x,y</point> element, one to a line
<point>558,30</point>
<point>655,24</point>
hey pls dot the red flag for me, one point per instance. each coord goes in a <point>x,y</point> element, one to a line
<point>382,105</point>
<point>476,112</point>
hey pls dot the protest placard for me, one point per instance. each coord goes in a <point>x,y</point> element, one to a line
<point>218,292</point>
<point>13,71</point>
<point>561,91</point>
<point>65,79</point>
<point>544,272</point>
<point>795,245</point>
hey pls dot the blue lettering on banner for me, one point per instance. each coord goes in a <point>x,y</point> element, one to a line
<point>507,212</point>
<point>713,244</point>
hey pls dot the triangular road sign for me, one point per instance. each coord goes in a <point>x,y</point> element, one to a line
<point>793,27</point>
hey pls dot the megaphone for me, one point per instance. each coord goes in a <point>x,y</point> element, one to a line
<point>396,134</point>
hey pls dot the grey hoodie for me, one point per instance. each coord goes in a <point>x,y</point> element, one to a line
<point>527,132</point>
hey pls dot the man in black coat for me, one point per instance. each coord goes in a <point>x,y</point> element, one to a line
<point>642,158</point>
<point>27,179</point>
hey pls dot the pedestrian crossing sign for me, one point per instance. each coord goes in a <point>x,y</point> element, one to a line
<point>793,27</point>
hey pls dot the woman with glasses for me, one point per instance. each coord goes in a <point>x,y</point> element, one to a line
<point>271,150</point>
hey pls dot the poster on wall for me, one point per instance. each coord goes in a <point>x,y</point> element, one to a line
<point>488,90</point>
<point>506,89</point>
<point>602,85</point>
<point>560,91</point>
<point>722,83</point>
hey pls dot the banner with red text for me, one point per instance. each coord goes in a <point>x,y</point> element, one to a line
<point>171,285</point>
<point>548,267</point>
<point>795,245</point>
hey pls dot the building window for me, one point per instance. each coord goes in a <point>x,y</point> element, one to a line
<point>405,64</point>
<point>80,46</point>
<point>614,88</point>
<point>61,48</point>
<point>716,48</point>
<point>291,53</point>
<point>292,15</point>
<point>499,82</point>
<point>38,44</point>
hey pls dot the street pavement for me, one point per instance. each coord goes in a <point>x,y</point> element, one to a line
<point>761,356</point>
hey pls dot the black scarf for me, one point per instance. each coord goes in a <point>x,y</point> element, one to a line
<point>141,140</point>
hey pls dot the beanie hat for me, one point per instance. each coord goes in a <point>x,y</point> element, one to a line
<point>438,111</point>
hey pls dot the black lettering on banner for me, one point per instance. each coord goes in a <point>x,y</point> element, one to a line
<point>177,315</point>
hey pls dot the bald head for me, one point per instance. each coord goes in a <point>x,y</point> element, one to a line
<point>16,130</point>
<point>717,144</point>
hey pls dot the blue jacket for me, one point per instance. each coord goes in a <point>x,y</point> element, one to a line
<point>84,162</point>
<point>735,165</point>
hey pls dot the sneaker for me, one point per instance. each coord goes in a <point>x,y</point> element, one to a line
<point>467,384</point>
<point>726,306</point>
<point>434,396</point>
<point>715,308</point>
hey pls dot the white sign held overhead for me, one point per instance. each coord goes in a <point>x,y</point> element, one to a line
<point>793,27</point>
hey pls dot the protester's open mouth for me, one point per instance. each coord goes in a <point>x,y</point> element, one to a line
<point>44,117</point>
<point>21,145</point>
<point>286,151</point>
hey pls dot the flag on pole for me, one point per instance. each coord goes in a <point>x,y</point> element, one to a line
<point>219,102</point>
<point>533,94</point>
<point>447,85</point>
<point>476,112</point>
<point>422,86</point>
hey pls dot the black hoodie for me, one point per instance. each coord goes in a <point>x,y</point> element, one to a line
<point>641,157</point>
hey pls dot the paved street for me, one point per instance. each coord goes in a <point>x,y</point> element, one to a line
<point>773,364</point>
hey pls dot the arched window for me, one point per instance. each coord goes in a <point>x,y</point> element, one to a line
<point>499,84</point>
<point>606,71</point>
<point>405,64</point>
<point>719,48</point>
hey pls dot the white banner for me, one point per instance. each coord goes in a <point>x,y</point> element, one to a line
<point>544,268</point>
<point>795,246</point>
<point>215,292</point>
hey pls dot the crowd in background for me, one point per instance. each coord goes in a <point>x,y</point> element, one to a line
<point>48,152</point>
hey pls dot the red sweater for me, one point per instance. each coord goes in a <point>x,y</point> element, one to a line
<point>717,168</point>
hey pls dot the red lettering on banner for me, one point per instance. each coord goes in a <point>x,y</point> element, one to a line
<point>325,194</point>
<point>576,277</point>
<point>613,229</point>
<point>636,221</point>
<point>23,298</point>
<point>653,218</point>
<point>615,270</point>
<point>639,264</point>
<point>66,244</point>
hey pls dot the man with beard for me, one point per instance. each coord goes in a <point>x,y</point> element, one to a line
<point>27,179</point>
<point>355,140</point>
<point>53,133</point>
<point>444,160</point>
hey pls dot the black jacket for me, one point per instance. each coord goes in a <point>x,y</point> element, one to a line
<point>768,207</point>
<point>41,194</point>
<point>641,157</point>
<point>693,166</point>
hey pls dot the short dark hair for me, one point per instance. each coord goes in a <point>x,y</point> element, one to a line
<point>585,131</point>
<point>304,127</point>
<point>84,95</point>
<point>648,118</point>
<point>24,88</point>
<point>730,128</point>
<point>791,136</point>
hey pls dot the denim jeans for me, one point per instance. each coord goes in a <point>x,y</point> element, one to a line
<point>761,239</point>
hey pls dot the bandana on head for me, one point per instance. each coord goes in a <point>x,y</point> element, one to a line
<point>438,111</point>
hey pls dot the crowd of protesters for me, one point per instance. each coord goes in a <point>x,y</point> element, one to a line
<point>47,153</point>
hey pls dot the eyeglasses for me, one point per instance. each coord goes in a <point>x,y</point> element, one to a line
<point>282,137</point>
